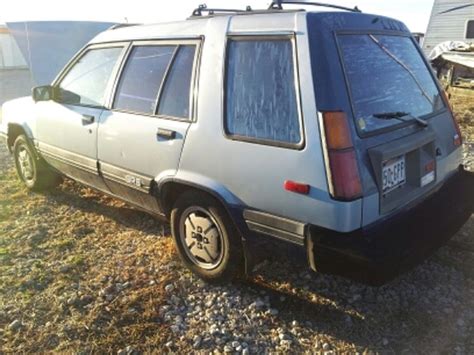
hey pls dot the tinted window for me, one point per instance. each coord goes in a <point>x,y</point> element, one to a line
<point>387,74</point>
<point>142,77</point>
<point>260,91</point>
<point>470,29</point>
<point>174,99</point>
<point>87,80</point>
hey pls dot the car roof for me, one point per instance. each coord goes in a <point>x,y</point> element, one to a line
<point>200,25</point>
<point>255,22</point>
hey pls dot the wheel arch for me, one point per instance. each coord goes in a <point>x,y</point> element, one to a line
<point>15,130</point>
<point>170,189</point>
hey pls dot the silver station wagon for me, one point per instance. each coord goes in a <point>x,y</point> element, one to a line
<point>323,136</point>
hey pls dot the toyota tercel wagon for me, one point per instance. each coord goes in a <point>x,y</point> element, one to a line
<point>321,133</point>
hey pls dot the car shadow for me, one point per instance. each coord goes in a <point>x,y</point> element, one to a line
<point>87,200</point>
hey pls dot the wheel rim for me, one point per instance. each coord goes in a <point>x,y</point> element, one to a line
<point>26,165</point>
<point>201,238</point>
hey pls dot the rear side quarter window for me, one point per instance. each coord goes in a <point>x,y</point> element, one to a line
<point>261,96</point>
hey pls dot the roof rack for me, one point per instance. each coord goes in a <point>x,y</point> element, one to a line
<point>121,25</point>
<point>203,8</point>
<point>277,5</point>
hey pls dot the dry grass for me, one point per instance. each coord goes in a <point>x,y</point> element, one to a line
<point>59,251</point>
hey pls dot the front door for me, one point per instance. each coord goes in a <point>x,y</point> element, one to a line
<point>142,136</point>
<point>67,127</point>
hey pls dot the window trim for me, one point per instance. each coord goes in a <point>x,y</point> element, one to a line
<point>198,42</point>
<point>60,77</point>
<point>271,36</point>
<point>466,27</point>
<point>396,126</point>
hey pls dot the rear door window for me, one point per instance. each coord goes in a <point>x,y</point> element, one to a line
<point>175,98</point>
<point>260,93</point>
<point>387,74</point>
<point>142,78</point>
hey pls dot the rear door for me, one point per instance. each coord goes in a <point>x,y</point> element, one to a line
<point>152,108</point>
<point>67,127</point>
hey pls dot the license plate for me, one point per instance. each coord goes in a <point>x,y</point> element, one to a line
<point>393,174</point>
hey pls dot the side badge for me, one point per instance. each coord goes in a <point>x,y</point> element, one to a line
<point>132,180</point>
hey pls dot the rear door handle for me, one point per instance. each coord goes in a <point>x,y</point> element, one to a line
<point>166,133</point>
<point>87,119</point>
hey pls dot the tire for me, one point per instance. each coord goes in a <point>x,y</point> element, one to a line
<point>206,238</point>
<point>31,169</point>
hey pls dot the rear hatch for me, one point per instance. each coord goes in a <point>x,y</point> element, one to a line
<point>371,68</point>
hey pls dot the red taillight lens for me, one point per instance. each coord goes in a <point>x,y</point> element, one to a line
<point>345,174</point>
<point>458,136</point>
<point>342,158</point>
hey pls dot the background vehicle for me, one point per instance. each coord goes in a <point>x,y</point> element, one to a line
<point>216,124</point>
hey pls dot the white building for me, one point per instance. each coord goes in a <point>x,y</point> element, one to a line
<point>451,20</point>
<point>10,55</point>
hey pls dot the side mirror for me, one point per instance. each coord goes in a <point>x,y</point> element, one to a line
<point>43,93</point>
<point>48,92</point>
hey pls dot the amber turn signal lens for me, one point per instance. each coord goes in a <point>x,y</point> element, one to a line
<point>338,135</point>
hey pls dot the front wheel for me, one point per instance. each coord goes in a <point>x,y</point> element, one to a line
<point>34,172</point>
<point>205,238</point>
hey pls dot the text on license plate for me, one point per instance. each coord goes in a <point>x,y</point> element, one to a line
<point>393,173</point>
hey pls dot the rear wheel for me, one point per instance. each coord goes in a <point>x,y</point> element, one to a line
<point>205,238</point>
<point>34,172</point>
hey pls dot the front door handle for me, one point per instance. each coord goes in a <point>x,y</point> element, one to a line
<point>87,119</point>
<point>166,133</point>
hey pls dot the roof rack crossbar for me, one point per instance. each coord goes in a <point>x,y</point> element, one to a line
<point>203,8</point>
<point>278,5</point>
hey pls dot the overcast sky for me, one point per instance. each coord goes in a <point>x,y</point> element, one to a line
<point>415,13</point>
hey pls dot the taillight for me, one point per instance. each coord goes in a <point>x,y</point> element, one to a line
<point>345,179</point>
<point>458,136</point>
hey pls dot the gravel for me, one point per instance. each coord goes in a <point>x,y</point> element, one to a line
<point>85,273</point>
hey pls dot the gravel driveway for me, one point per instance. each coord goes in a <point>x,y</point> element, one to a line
<point>82,272</point>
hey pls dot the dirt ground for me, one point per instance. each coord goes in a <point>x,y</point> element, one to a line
<point>82,272</point>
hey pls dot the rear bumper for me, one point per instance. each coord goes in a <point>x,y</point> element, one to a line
<point>378,253</point>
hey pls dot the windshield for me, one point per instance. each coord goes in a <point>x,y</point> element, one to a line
<point>387,74</point>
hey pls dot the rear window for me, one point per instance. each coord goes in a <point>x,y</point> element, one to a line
<point>387,74</point>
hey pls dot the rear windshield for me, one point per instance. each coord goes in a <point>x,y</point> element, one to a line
<point>387,77</point>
